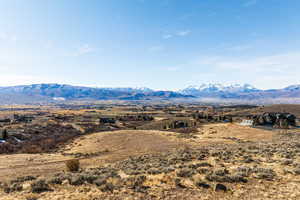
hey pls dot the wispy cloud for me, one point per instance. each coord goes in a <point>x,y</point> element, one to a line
<point>267,71</point>
<point>167,36</point>
<point>249,3</point>
<point>283,63</point>
<point>183,33</point>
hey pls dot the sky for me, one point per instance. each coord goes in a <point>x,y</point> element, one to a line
<point>160,44</point>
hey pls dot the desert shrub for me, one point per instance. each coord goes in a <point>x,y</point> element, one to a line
<point>198,182</point>
<point>89,178</point>
<point>73,165</point>
<point>185,172</point>
<point>40,186</point>
<point>186,130</point>
<point>23,179</point>
<point>31,149</point>
<point>77,180</point>
<point>297,171</point>
<point>14,187</point>
<point>100,181</point>
<point>40,139</point>
<point>55,180</point>
<point>108,187</point>
<point>6,148</point>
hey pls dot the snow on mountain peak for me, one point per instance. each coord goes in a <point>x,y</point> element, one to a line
<point>217,87</point>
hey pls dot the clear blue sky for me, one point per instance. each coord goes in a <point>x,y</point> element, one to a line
<point>161,44</point>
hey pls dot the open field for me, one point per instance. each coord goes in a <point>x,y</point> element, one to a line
<point>108,147</point>
<point>201,160</point>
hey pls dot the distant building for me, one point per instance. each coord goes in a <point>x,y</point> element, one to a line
<point>247,122</point>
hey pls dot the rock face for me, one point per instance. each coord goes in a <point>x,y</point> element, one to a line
<point>277,120</point>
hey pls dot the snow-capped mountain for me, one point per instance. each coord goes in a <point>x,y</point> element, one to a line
<point>218,89</point>
<point>40,93</point>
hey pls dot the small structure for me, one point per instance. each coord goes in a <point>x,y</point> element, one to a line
<point>141,117</point>
<point>175,124</point>
<point>246,122</point>
<point>201,116</point>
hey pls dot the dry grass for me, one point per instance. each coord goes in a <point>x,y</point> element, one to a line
<point>121,145</point>
<point>31,197</point>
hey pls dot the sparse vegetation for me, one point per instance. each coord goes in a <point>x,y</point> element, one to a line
<point>73,165</point>
<point>190,159</point>
<point>40,186</point>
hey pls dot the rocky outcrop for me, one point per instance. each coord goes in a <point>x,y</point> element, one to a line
<point>277,120</point>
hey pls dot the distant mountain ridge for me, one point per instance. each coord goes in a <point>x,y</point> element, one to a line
<point>240,92</point>
<point>60,92</point>
<point>218,89</point>
<point>48,92</point>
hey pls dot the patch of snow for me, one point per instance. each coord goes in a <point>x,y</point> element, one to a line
<point>216,87</point>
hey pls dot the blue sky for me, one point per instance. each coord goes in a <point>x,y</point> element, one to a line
<point>161,44</point>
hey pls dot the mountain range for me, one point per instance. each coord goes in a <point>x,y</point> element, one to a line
<point>60,92</point>
<point>240,92</point>
<point>218,90</point>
